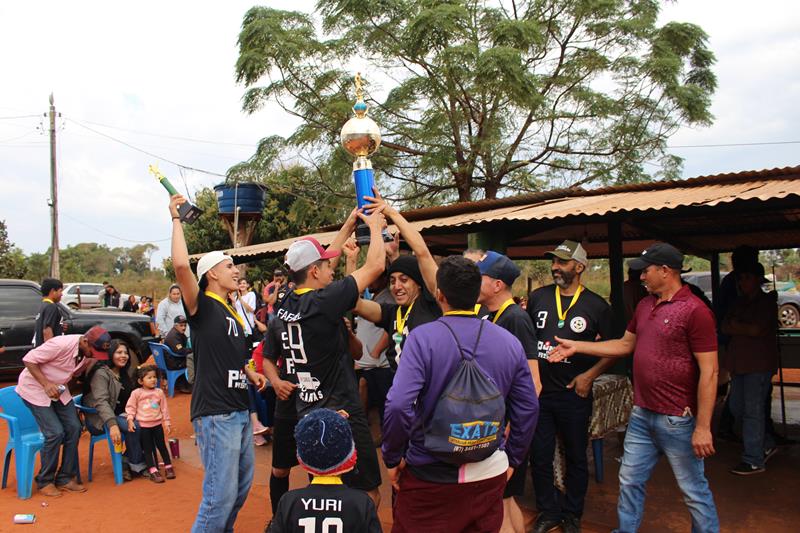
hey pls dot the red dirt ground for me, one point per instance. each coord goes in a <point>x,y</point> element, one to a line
<point>767,502</point>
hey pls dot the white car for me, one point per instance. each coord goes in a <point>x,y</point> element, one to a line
<point>91,295</point>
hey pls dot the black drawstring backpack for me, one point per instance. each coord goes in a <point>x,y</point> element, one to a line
<point>467,422</point>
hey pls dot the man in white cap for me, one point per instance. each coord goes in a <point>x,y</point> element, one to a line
<point>219,408</point>
<point>308,335</point>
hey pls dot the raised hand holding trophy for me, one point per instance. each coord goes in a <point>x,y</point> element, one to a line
<point>361,137</point>
<point>186,211</point>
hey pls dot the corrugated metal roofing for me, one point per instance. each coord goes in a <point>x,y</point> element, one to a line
<point>563,205</point>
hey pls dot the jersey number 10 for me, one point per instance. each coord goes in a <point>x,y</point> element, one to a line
<point>329,525</point>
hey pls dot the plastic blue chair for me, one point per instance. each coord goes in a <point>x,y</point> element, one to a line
<point>24,438</point>
<point>158,351</point>
<point>116,458</point>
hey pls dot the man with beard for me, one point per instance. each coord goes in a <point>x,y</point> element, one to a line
<point>568,310</point>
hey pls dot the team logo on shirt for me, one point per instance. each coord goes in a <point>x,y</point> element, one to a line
<point>578,324</point>
<point>309,387</point>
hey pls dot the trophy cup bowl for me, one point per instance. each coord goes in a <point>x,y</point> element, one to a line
<point>361,137</point>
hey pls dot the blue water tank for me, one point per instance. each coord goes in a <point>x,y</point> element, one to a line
<point>249,197</point>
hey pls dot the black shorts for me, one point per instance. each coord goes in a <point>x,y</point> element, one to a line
<point>516,485</point>
<point>284,447</point>
<point>367,473</point>
<point>379,381</point>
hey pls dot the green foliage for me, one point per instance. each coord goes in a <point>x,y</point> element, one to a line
<point>12,260</point>
<point>482,97</point>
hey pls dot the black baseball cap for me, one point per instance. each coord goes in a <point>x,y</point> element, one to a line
<point>659,253</point>
<point>180,319</point>
<point>279,272</point>
<point>498,266</point>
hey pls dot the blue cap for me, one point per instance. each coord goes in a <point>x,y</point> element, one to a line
<point>500,267</point>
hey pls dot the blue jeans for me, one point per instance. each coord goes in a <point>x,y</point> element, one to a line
<point>649,436</point>
<point>226,449</point>
<point>133,447</point>
<point>748,404</point>
<point>59,424</point>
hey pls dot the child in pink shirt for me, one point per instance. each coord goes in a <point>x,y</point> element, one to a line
<point>148,406</point>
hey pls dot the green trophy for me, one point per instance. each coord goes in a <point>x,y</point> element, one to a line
<point>187,212</point>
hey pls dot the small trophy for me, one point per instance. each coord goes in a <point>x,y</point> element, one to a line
<point>362,137</point>
<point>187,212</point>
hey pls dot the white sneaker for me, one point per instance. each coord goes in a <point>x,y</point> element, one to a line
<point>258,440</point>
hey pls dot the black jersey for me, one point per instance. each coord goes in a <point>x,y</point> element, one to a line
<point>220,353</point>
<point>313,324</point>
<point>588,319</point>
<point>424,309</point>
<point>516,321</point>
<point>50,316</point>
<point>326,509</point>
<point>277,348</point>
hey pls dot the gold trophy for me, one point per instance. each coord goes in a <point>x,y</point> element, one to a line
<point>361,137</point>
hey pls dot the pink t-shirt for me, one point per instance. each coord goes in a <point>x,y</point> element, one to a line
<point>665,371</point>
<point>57,359</point>
<point>148,407</point>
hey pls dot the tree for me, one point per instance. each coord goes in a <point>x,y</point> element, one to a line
<point>482,96</point>
<point>12,260</point>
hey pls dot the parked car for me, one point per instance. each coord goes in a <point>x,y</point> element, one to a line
<point>19,303</point>
<point>788,301</point>
<point>91,296</point>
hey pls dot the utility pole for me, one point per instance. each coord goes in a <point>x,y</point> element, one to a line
<point>55,270</point>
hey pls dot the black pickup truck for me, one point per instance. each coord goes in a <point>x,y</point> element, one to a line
<point>19,303</point>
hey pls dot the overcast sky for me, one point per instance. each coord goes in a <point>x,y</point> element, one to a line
<point>153,70</point>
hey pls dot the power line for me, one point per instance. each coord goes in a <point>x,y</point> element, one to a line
<point>113,236</point>
<point>19,117</point>
<point>151,154</point>
<point>734,144</point>
<point>175,137</point>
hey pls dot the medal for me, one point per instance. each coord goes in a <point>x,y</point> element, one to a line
<point>560,323</point>
<point>397,338</point>
<point>562,315</point>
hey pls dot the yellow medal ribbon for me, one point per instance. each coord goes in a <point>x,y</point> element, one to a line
<point>400,323</point>
<point>301,292</point>
<point>503,307</point>
<point>48,300</point>
<point>562,317</point>
<point>228,307</point>
<point>327,480</point>
<point>461,313</point>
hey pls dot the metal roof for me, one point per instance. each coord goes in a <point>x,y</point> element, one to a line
<point>703,214</point>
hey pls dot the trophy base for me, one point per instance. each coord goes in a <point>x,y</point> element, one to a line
<point>363,233</point>
<point>189,213</point>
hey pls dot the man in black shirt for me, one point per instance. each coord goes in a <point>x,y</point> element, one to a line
<point>412,282</point>
<point>312,317</point>
<point>219,407</point>
<point>498,274</point>
<point>50,320</point>
<point>177,342</point>
<point>567,310</point>
<point>325,448</point>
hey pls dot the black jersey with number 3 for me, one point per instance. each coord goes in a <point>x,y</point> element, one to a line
<point>220,353</point>
<point>589,318</point>
<point>313,324</point>
<point>325,509</point>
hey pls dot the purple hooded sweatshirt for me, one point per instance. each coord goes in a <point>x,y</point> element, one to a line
<point>430,358</point>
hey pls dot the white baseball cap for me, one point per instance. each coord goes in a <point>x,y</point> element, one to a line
<point>209,261</point>
<point>305,251</point>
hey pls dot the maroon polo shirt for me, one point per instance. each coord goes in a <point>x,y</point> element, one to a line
<point>665,372</point>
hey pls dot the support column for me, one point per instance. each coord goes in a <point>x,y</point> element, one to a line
<point>488,240</point>
<point>617,273</point>
<point>714,277</point>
